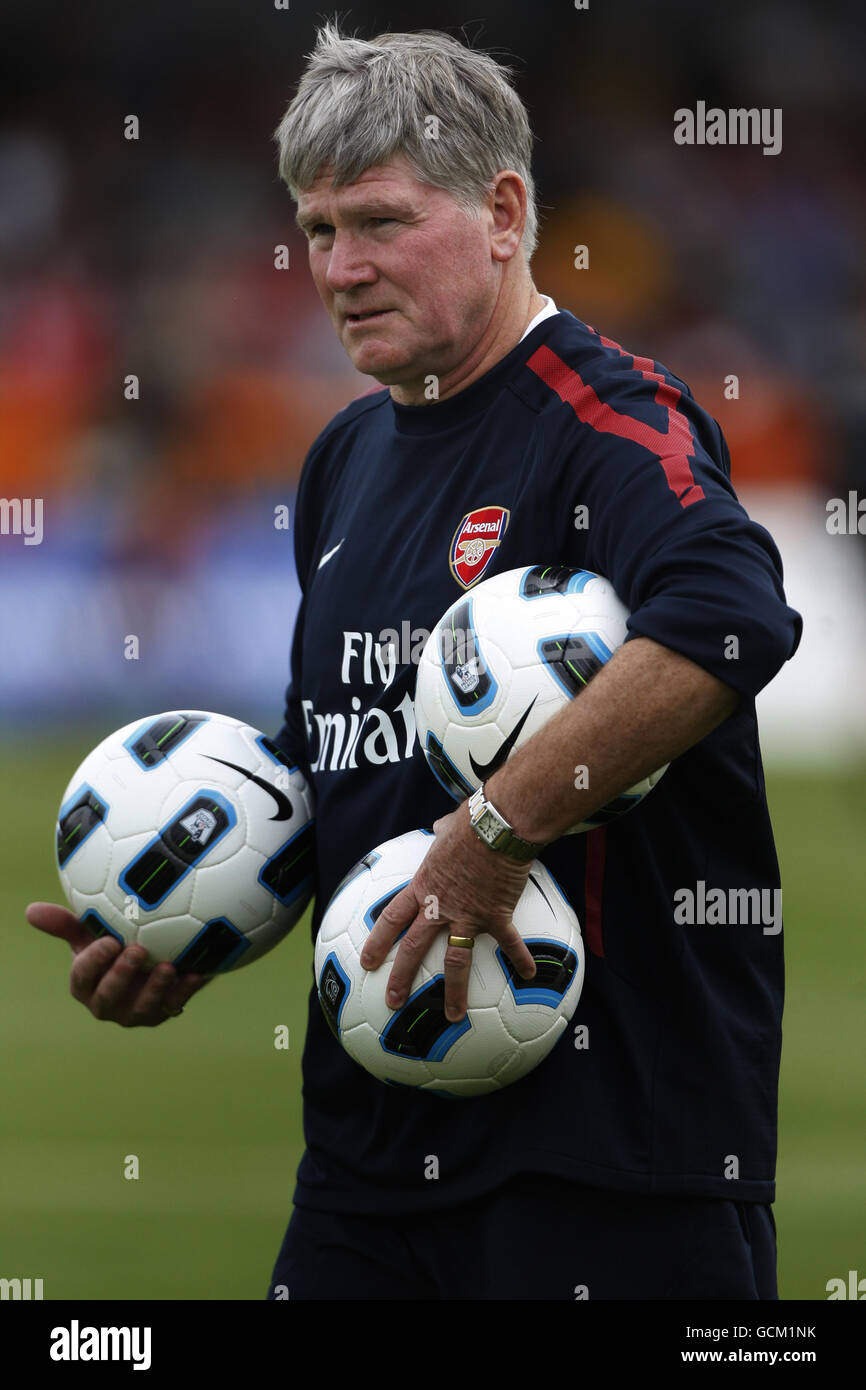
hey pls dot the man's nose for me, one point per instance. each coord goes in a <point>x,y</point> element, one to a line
<point>348,263</point>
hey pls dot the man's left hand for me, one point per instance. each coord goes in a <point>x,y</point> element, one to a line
<point>462,887</point>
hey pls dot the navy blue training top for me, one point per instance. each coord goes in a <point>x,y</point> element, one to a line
<point>673,1086</point>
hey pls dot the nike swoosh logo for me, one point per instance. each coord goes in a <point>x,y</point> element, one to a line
<point>284,805</point>
<point>328,553</point>
<point>485,770</point>
<point>534,880</point>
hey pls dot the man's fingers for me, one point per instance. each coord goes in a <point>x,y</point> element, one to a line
<point>117,989</point>
<point>182,990</point>
<point>162,994</point>
<point>392,920</point>
<point>90,965</point>
<point>59,921</point>
<point>102,974</point>
<point>412,950</point>
<point>149,1004</point>
<point>458,963</point>
<point>518,953</point>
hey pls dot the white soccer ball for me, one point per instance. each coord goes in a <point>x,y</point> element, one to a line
<point>506,657</point>
<point>191,834</point>
<point>511,1023</point>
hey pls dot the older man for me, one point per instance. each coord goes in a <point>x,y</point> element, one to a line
<point>640,1165</point>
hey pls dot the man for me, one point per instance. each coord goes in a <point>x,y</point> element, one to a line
<point>639,1164</point>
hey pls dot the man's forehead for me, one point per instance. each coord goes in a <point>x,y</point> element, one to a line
<point>394,177</point>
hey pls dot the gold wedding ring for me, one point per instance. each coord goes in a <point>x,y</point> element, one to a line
<point>466,941</point>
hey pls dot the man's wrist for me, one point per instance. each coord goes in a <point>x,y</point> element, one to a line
<point>495,831</point>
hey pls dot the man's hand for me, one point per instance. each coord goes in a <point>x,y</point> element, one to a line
<point>107,978</point>
<point>462,887</point>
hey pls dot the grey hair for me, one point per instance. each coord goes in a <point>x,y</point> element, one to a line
<point>361,101</point>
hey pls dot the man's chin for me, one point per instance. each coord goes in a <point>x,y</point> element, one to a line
<point>386,378</point>
<point>386,367</point>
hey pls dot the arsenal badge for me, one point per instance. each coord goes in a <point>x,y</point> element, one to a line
<point>475,541</point>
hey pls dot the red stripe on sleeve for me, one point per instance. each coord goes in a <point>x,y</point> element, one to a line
<point>673,446</point>
<point>593,888</point>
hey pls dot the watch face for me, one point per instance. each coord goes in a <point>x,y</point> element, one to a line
<point>491,827</point>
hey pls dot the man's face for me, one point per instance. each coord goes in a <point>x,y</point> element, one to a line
<point>390,243</point>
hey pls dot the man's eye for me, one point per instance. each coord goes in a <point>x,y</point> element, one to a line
<point>325,228</point>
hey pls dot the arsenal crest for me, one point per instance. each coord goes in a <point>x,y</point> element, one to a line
<point>475,542</point>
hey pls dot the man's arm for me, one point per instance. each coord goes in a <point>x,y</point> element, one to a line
<point>645,707</point>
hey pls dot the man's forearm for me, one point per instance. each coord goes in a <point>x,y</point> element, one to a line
<point>645,707</point>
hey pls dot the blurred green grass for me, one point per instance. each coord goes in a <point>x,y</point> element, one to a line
<point>212,1110</point>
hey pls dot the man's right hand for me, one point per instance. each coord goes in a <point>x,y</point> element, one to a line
<point>107,977</point>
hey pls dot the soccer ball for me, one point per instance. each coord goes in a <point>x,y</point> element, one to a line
<point>511,1023</point>
<point>191,834</point>
<point>503,660</point>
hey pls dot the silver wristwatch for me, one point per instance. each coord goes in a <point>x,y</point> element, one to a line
<point>495,832</point>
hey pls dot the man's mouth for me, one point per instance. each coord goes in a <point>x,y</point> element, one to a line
<point>368,314</point>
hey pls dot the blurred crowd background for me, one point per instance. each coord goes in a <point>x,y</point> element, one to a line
<point>155,257</point>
